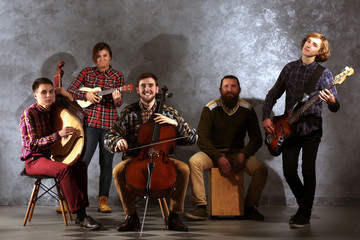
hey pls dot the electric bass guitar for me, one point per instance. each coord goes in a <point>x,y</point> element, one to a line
<point>100,93</point>
<point>284,124</point>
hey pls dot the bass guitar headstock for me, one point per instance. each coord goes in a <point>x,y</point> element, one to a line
<point>341,77</point>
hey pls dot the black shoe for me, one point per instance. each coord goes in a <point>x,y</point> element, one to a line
<point>252,213</point>
<point>303,211</point>
<point>131,223</point>
<point>175,223</point>
<point>299,221</point>
<point>294,216</point>
<point>88,223</point>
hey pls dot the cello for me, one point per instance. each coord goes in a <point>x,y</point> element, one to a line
<point>152,174</point>
<point>68,113</point>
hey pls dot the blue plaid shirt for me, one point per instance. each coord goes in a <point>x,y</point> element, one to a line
<point>292,80</point>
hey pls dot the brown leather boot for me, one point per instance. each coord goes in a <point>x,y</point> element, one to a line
<point>103,205</point>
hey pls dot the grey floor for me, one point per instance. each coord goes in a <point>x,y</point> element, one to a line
<point>328,223</point>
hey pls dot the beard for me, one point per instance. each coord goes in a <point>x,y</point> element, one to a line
<point>230,100</point>
<point>147,100</point>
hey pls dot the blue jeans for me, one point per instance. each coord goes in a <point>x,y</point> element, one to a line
<point>95,136</point>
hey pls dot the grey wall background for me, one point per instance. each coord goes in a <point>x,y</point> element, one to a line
<point>190,45</point>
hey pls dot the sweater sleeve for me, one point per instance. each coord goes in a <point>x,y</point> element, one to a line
<point>254,133</point>
<point>187,133</point>
<point>118,131</point>
<point>204,142</point>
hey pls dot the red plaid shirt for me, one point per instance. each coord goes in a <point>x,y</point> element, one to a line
<point>36,131</point>
<point>99,115</point>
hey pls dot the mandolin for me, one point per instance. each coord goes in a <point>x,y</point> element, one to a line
<point>284,124</point>
<point>99,92</point>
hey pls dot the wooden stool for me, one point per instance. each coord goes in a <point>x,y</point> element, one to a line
<point>58,195</point>
<point>226,193</point>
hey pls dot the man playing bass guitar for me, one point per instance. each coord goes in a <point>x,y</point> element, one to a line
<point>125,134</point>
<point>308,130</point>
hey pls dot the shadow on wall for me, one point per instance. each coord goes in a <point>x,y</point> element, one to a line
<point>273,193</point>
<point>164,56</point>
<point>48,70</point>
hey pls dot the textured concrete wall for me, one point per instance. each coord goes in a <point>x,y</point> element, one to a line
<point>190,45</point>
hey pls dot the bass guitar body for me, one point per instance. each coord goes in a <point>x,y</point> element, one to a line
<point>283,131</point>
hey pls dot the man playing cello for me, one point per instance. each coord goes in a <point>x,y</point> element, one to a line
<point>125,132</point>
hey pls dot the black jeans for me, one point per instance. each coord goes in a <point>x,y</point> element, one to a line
<point>304,192</point>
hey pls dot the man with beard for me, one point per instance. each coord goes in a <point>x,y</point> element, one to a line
<point>223,125</point>
<point>125,133</point>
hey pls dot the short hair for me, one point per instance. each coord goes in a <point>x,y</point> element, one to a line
<point>98,47</point>
<point>324,52</point>
<point>146,75</point>
<point>231,77</point>
<point>39,81</point>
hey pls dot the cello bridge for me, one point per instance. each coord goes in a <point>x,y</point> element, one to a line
<point>153,152</point>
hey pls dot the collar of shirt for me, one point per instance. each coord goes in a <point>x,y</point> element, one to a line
<point>145,113</point>
<point>308,67</point>
<point>107,71</point>
<point>42,109</point>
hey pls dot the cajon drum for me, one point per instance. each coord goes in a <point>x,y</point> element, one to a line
<point>226,193</point>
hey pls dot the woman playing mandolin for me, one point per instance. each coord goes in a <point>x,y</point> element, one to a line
<point>125,135</point>
<point>101,114</point>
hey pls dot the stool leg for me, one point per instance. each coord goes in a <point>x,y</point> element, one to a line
<point>32,202</point>
<point>66,203</point>
<point>164,211</point>
<point>57,184</point>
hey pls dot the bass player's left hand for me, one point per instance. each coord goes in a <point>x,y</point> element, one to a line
<point>327,96</point>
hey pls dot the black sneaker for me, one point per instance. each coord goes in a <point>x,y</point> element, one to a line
<point>299,221</point>
<point>252,213</point>
<point>293,216</point>
<point>307,214</point>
